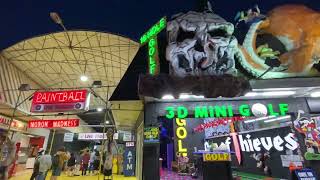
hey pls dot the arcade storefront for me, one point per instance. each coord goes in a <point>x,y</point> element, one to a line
<point>225,139</point>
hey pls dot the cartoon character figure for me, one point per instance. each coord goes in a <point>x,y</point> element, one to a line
<point>261,162</point>
<point>307,127</point>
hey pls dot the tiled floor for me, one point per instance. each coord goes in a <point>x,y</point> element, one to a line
<point>169,175</point>
<point>26,176</point>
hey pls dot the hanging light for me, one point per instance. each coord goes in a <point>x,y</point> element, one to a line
<point>84,78</point>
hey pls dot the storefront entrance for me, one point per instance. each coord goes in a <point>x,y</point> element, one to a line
<point>237,138</point>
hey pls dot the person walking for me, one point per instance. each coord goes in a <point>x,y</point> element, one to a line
<point>92,159</point>
<point>71,165</point>
<point>85,162</point>
<point>7,155</point>
<point>96,163</point>
<point>58,161</point>
<point>45,163</point>
<point>36,165</point>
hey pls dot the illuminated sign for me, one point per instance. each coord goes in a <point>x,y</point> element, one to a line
<point>15,125</point>
<point>221,111</point>
<point>251,145</point>
<point>61,123</point>
<point>60,101</point>
<point>151,134</point>
<point>92,136</point>
<point>150,37</point>
<point>68,137</point>
<point>129,144</point>
<point>153,56</point>
<point>181,133</point>
<point>153,31</point>
<point>216,157</point>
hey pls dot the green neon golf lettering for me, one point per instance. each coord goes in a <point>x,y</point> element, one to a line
<point>283,108</point>
<point>182,112</point>
<point>201,112</point>
<point>152,45</point>
<point>221,111</point>
<point>170,112</point>
<point>244,110</point>
<point>153,31</point>
<point>271,111</point>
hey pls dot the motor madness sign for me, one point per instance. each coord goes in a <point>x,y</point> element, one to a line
<point>60,101</point>
<point>53,123</point>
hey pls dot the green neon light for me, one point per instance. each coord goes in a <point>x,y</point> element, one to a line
<point>153,55</point>
<point>153,31</point>
<point>222,111</point>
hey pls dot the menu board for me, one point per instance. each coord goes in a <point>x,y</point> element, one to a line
<point>151,134</point>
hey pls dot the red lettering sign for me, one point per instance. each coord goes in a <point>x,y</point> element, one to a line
<point>60,101</point>
<point>61,123</point>
<point>57,97</point>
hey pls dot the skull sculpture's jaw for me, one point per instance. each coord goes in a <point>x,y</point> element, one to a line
<point>200,44</point>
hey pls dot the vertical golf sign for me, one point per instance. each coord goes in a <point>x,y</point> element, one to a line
<point>150,38</point>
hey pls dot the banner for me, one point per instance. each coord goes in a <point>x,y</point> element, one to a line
<point>68,137</point>
<point>151,134</point>
<point>53,123</point>
<point>15,125</point>
<point>129,163</point>
<point>60,101</point>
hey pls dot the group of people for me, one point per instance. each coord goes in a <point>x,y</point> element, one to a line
<point>7,155</point>
<point>90,162</point>
<point>64,160</point>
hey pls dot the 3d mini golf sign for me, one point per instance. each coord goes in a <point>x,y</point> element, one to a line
<point>60,101</point>
<point>61,123</point>
<point>150,38</point>
<point>182,112</point>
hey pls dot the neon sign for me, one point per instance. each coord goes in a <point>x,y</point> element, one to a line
<point>60,101</point>
<point>181,133</point>
<point>53,123</point>
<point>51,97</point>
<point>216,157</point>
<point>221,111</point>
<point>153,56</point>
<point>150,37</point>
<point>153,31</point>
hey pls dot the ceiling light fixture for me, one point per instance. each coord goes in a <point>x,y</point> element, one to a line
<point>99,109</point>
<point>277,119</point>
<point>190,96</point>
<point>258,119</point>
<point>107,122</point>
<point>251,94</point>
<point>315,94</point>
<point>84,78</point>
<point>278,93</point>
<point>167,96</point>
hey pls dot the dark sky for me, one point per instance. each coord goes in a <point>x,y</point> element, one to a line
<point>22,19</point>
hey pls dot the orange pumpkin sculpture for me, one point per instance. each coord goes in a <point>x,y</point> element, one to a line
<point>297,27</point>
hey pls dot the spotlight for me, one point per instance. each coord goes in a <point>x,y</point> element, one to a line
<point>107,122</point>
<point>167,96</point>
<point>84,78</point>
<point>278,93</point>
<point>97,84</point>
<point>99,109</point>
<point>315,94</point>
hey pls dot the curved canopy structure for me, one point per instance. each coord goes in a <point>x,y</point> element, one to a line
<point>58,60</point>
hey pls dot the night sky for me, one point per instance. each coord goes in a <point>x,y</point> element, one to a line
<point>23,19</point>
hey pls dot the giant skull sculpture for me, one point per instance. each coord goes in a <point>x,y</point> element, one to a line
<point>200,43</point>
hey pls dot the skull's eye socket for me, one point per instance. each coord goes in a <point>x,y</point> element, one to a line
<point>182,35</point>
<point>218,33</point>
